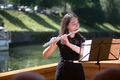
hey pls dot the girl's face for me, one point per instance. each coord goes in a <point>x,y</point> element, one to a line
<point>73,25</point>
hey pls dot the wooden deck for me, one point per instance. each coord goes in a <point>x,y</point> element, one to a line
<point>90,69</point>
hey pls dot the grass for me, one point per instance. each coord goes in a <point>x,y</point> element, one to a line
<point>105,27</point>
<point>21,21</point>
<point>36,22</point>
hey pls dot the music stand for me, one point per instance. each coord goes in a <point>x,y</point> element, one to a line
<point>103,49</point>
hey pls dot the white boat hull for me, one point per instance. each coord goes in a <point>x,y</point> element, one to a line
<point>4,45</point>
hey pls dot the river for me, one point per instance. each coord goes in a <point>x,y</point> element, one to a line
<point>24,56</point>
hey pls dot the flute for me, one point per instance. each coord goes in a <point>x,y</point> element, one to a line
<point>58,38</point>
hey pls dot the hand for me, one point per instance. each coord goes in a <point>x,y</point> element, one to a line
<point>53,44</point>
<point>65,39</point>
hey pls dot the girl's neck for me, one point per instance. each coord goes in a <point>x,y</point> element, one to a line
<point>72,36</point>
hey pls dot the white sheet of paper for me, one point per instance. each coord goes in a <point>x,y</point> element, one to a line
<point>86,49</point>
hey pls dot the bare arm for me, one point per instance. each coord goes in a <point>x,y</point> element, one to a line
<point>75,48</point>
<point>50,49</point>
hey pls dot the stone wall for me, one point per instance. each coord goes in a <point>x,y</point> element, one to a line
<point>42,37</point>
<point>31,37</point>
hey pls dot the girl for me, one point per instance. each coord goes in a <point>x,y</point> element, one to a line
<point>70,50</point>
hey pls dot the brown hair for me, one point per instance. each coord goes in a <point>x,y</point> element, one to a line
<point>65,21</point>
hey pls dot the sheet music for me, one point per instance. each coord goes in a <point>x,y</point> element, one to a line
<point>86,49</point>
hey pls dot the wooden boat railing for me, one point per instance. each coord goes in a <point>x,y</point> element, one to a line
<point>48,71</point>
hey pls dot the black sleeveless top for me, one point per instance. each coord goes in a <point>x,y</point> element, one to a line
<point>67,53</point>
<point>69,70</point>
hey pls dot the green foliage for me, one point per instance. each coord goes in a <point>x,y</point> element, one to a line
<point>96,11</point>
<point>48,3</point>
<point>0,21</point>
<point>40,3</point>
<point>88,11</point>
<point>77,4</point>
<point>111,10</point>
<point>13,1</point>
<point>27,2</point>
<point>62,13</point>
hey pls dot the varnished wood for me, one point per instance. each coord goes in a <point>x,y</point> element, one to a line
<point>48,71</point>
<point>91,67</point>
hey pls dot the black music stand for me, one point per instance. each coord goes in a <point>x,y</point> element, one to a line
<point>97,49</point>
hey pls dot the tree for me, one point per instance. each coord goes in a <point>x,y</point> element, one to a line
<point>40,3</point>
<point>2,1</point>
<point>88,11</point>
<point>111,9</point>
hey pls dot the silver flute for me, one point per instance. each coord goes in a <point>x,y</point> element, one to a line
<point>58,38</point>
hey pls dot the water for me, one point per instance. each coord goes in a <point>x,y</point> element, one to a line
<point>3,60</point>
<point>27,56</point>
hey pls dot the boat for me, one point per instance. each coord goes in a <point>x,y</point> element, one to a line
<point>4,42</point>
<point>4,49</point>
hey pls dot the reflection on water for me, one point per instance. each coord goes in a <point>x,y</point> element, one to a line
<point>26,56</point>
<point>3,60</point>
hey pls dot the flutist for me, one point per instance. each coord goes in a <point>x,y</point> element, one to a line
<point>70,50</point>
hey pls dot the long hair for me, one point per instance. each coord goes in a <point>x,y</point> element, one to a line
<point>64,26</point>
<point>65,21</point>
